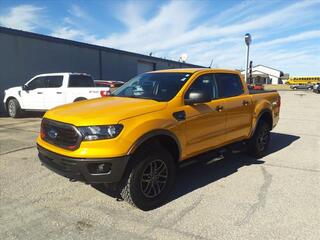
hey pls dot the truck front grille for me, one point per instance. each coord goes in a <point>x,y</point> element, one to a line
<point>60,134</point>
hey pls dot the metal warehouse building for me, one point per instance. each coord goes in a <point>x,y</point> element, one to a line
<point>24,55</point>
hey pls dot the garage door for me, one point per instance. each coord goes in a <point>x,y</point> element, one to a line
<point>145,66</point>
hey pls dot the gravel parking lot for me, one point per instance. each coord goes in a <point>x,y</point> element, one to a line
<point>276,197</point>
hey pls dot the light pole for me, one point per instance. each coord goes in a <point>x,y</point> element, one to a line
<point>183,57</point>
<point>247,39</point>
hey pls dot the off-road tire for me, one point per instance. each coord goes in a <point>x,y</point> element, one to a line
<point>13,108</point>
<point>259,142</point>
<point>132,190</point>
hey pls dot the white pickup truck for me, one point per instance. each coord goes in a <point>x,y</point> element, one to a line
<point>46,91</point>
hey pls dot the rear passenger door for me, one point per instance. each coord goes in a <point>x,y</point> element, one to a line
<point>54,94</point>
<point>238,106</point>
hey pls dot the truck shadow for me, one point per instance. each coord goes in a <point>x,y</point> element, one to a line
<point>200,174</point>
<point>25,115</point>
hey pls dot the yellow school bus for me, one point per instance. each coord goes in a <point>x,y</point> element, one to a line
<point>303,80</point>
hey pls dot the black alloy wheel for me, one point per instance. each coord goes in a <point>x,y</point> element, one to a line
<point>154,178</point>
<point>151,178</point>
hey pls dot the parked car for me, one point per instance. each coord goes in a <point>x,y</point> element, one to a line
<point>316,88</point>
<point>108,83</point>
<point>301,87</point>
<point>135,139</point>
<point>46,91</point>
<point>258,87</point>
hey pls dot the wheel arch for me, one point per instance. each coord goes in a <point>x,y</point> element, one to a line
<point>79,99</point>
<point>264,115</point>
<point>165,138</point>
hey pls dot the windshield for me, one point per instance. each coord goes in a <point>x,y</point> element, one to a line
<point>157,86</point>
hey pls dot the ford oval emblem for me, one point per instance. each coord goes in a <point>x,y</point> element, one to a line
<point>53,133</point>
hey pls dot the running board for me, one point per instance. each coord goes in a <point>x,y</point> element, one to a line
<point>215,159</point>
<point>238,147</point>
<point>206,158</point>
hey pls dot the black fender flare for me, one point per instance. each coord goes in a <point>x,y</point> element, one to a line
<point>79,99</point>
<point>266,110</point>
<point>155,133</point>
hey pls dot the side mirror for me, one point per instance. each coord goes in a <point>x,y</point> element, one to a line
<point>25,87</point>
<point>197,96</point>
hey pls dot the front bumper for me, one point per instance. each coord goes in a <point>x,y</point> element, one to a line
<point>84,170</point>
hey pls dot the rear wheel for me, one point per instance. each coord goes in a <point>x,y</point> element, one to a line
<point>150,180</point>
<point>258,143</point>
<point>14,109</point>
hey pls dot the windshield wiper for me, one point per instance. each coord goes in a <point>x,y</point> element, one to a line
<point>133,96</point>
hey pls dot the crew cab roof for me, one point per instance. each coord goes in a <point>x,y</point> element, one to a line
<point>61,73</point>
<point>193,70</point>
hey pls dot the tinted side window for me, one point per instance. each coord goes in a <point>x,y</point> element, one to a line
<point>229,84</point>
<point>80,81</point>
<point>39,82</point>
<point>205,83</point>
<point>54,81</point>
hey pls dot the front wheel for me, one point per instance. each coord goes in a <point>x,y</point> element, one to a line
<point>258,143</point>
<point>151,180</point>
<point>14,109</point>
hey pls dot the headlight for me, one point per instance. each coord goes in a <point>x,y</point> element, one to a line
<point>100,132</point>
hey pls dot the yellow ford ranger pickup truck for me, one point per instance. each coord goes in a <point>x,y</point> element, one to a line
<point>136,138</point>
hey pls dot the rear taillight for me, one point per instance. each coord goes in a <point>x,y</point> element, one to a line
<point>104,93</point>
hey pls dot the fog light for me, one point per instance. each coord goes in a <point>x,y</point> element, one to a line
<point>99,168</point>
<point>104,168</point>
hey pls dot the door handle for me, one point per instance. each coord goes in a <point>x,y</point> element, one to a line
<point>39,92</point>
<point>219,108</point>
<point>245,103</point>
<point>59,92</point>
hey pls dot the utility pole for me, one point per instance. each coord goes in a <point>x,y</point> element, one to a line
<point>250,74</point>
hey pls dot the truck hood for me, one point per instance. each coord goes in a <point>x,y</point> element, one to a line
<point>103,111</point>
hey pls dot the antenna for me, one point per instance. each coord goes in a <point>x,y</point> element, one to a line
<point>211,63</point>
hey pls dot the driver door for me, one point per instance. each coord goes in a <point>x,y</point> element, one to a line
<point>33,97</point>
<point>205,122</point>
